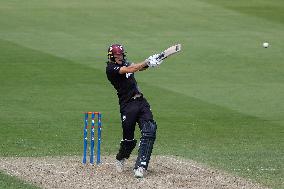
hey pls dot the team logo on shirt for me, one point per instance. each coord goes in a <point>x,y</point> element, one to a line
<point>123,118</point>
<point>116,68</point>
<point>128,75</point>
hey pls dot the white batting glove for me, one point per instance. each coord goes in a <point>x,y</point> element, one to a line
<point>153,61</point>
<point>157,59</point>
<point>160,61</point>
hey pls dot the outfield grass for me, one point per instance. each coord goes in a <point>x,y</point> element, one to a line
<point>219,102</point>
<point>11,182</point>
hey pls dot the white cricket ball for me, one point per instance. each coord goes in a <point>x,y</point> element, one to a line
<point>265,44</point>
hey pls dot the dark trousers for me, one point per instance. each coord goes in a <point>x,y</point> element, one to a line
<point>135,111</point>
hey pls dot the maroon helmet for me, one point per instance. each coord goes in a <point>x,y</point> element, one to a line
<point>115,49</point>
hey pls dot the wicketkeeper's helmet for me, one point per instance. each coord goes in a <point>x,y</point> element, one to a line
<point>115,49</point>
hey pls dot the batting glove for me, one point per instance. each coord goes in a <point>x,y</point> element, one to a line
<point>153,61</point>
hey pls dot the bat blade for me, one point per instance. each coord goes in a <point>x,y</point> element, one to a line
<point>170,51</point>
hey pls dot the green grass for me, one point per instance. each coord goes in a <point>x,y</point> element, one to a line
<point>219,102</point>
<point>9,182</point>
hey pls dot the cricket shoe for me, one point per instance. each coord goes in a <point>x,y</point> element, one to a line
<point>139,172</point>
<point>119,165</point>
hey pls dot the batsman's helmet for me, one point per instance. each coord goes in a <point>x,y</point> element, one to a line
<point>115,49</point>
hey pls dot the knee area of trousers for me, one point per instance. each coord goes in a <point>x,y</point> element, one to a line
<point>149,129</point>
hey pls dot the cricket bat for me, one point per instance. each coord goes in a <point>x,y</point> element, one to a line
<point>169,51</point>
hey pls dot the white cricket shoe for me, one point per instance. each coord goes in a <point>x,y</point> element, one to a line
<point>139,172</point>
<point>119,165</point>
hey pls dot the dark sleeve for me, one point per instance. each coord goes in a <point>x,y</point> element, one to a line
<point>113,69</point>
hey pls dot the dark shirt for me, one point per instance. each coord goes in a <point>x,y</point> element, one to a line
<point>125,84</point>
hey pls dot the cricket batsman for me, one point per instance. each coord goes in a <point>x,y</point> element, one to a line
<point>134,107</point>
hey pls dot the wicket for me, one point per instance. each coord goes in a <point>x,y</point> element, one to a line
<point>92,141</point>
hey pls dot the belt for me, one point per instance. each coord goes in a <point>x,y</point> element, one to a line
<point>136,96</point>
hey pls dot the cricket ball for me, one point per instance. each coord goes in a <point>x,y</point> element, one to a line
<point>265,44</point>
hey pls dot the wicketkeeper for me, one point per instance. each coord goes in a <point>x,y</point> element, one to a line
<point>134,108</point>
